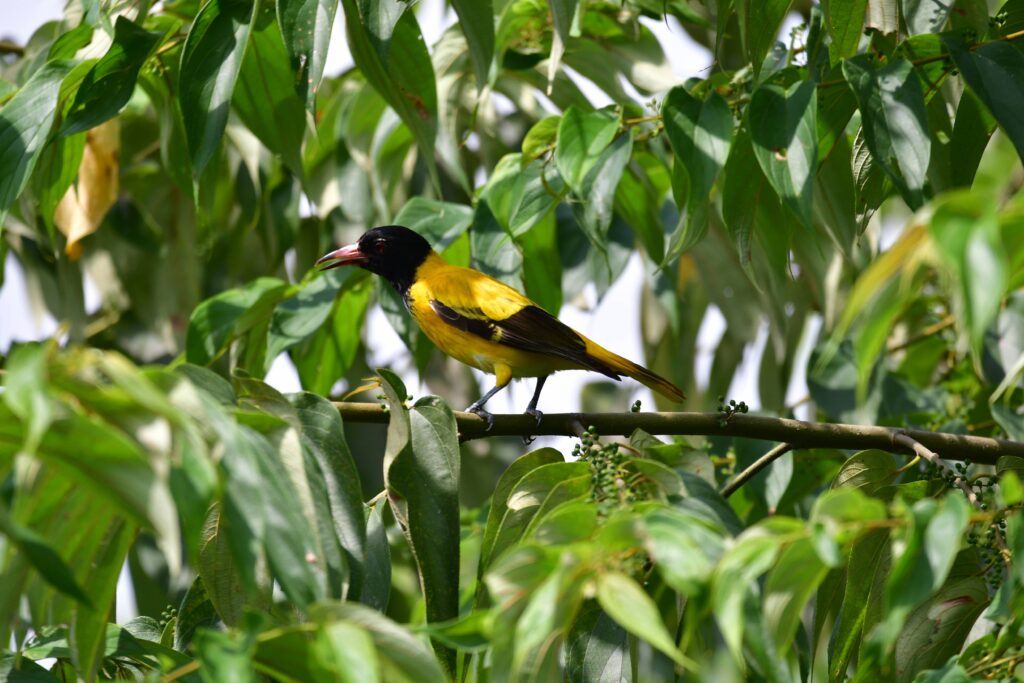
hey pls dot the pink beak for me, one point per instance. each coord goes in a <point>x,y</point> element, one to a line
<point>346,256</point>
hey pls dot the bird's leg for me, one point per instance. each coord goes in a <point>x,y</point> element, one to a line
<point>478,406</point>
<point>531,408</point>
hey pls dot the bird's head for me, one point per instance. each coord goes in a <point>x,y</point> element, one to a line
<point>392,251</point>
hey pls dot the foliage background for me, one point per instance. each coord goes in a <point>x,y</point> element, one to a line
<point>855,185</point>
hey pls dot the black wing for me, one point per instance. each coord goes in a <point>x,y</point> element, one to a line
<point>530,329</point>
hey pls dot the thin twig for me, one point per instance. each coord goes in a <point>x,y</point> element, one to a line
<point>932,329</point>
<point>922,452</point>
<point>936,58</point>
<point>797,433</point>
<point>758,465</point>
<point>8,47</point>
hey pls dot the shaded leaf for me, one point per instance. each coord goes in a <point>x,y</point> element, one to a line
<point>995,72</point>
<point>624,601</point>
<point>895,121</point>
<point>25,121</point>
<point>109,84</point>
<point>783,129</point>
<point>210,63</point>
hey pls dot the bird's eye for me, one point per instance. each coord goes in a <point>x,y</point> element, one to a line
<point>380,246</point>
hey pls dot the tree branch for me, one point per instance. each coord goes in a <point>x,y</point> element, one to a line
<point>796,433</point>
<point>921,451</point>
<point>758,465</point>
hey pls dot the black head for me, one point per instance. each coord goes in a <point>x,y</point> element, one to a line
<point>392,251</point>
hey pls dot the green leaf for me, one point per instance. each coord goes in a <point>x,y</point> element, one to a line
<point>634,610</point>
<point>305,27</point>
<point>43,558</point>
<point>441,223</point>
<point>389,50</point>
<point>972,129</point>
<point>952,672</point>
<point>109,84</point>
<point>783,129</point>
<point>421,472</point>
<point>377,586</point>
<point>936,630</point>
<point>565,20</point>
<point>926,555</point>
<point>24,124</point>
<point>299,317</point>
<point>866,471</point>
<point>599,187</point>
<point>751,209</point>
<point>509,480</point>
<point>541,138</point>
<point>88,627</point>
<point>542,264</point>
<point>210,63</point>
<point>265,96</point>
<point>966,234</point>
<point>225,656</point>
<point>597,648</point>
<point>845,22</point>
<point>995,72</point>
<point>788,587</point>
<point>895,122</point>
<point>684,549</point>
<point>494,251</point>
<point>403,657</point>
<point>220,319</point>
<point>866,572</point>
<point>195,611</point>
<point>476,19</point>
<point>521,195</point>
<point>324,437</point>
<point>700,132</point>
<point>68,44</point>
<point>752,554</point>
<point>759,22</point>
<point>25,391</point>
<point>529,497</point>
<point>343,652</point>
<point>582,137</point>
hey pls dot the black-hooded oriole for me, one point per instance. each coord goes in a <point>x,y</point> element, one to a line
<point>480,321</point>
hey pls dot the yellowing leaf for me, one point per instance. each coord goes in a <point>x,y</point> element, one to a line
<point>84,205</point>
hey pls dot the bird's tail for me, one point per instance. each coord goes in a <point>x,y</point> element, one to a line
<point>621,366</point>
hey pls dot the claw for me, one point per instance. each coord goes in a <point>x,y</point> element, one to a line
<point>536,415</point>
<point>489,418</point>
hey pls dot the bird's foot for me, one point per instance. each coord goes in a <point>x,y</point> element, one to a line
<point>536,415</point>
<point>489,418</point>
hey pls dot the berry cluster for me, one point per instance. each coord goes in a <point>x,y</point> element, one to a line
<point>609,475</point>
<point>730,409</point>
<point>167,615</point>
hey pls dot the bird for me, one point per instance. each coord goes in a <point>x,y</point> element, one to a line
<point>482,322</point>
